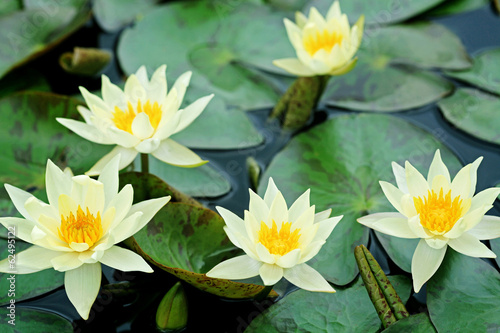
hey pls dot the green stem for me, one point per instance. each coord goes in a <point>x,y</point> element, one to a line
<point>144,163</point>
<point>263,293</point>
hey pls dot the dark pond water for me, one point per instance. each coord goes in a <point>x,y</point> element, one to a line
<point>478,30</point>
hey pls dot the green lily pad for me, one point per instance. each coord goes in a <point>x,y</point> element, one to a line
<point>32,135</point>
<point>456,6</point>
<point>27,33</point>
<point>417,323</point>
<point>382,59</point>
<point>378,12</point>
<point>347,310</point>
<point>400,250</point>
<point>474,112</point>
<point>485,72</point>
<point>22,79</point>
<point>220,44</point>
<point>30,320</point>
<point>466,286</point>
<point>9,6</point>
<point>111,15</point>
<point>25,286</point>
<point>341,161</point>
<point>187,241</point>
<point>234,129</point>
<point>203,181</point>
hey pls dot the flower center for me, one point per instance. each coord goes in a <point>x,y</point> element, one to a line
<point>279,242</point>
<point>124,119</point>
<point>325,40</point>
<point>439,213</point>
<point>84,228</point>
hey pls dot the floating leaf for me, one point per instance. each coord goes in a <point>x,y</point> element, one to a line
<point>9,6</point>
<point>26,34</point>
<point>341,161</point>
<point>417,323</point>
<point>347,310</point>
<point>495,246</point>
<point>23,78</point>
<point>32,135</point>
<point>111,15</point>
<point>485,72</point>
<point>379,12</point>
<point>400,250</point>
<point>25,286</point>
<point>188,241</point>
<point>474,112</point>
<point>218,43</point>
<point>456,6</point>
<point>84,61</point>
<point>203,181</point>
<point>30,320</point>
<point>466,286</point>
<point>406,86</point>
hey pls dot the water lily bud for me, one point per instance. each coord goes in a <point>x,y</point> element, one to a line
<point>172,311</point>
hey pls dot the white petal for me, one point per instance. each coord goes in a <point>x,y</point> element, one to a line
<point>122,138</point>
<point>94,102</point>
<point>176,154</point>
<point>126,157</point>
<point>180,86</point>
<point>461,184</point>
<point>271,192</point>
<point>66,261</point>
<point>438,168</point>
<point>469,221</point>
<point>148,146</point>
<point>192,111</point>
<point>232,221</point>
<point>488,228</point>
<point>326,227</point>
<point>305,220</point>
<point>437,242</point>
<point>346,68</point>
<point>473,174</point>
<point>300,206</point>
<point>400,175</point>
<point>471,246</point>
<point>425,263</point>
<point>307,278</point>
<point>31,260</point>
<point>86,131</point>
<point>112,94</point>
<point>22,227</point>
<point>278,212</point>
<point>141,126</point>
<point>157,87</point>
<point>311,250</point>
<point>19,198</point>
<point>393,194</point>
<point>439,182</point>
<point>333,11</point>
<point>252,226</point>
<point>109,179</point>
<point>270,274</point>
<point>393,224</point>
<point>294,66</point>
<point>167,127</point>
<point>242,267</point>
<point>82,286</point>
<point>121,204</point>
<point>142,76</point>
<point>85,113</point>
<point>417,228</point>
<point>56,183</point>
<point>258,207</point>
<point>290,259</point>
<point>484,198</point>
<point>134,90</point>
<point>318,217</point>
<point>417,185</point>
<point>300,20</point>
<point>124,260</point>
<point>264,254</point>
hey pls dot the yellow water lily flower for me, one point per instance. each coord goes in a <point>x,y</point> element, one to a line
<point>277,241</point>
<point>324,45</point>
<point>78,230</point>
<point>139,119</point>
<point>440,211</point>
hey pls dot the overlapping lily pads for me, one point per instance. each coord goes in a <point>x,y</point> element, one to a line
<point>114,14</point>
<point>457,6</point>
<point>474,112</point>
<point>466,286</point>
<point>405,84</point>
<point>485,73</point>
<point>341,161</point>
<point>347,310</point>
<point>25,286</point>
<point>417,323</point>
<point>27,33</point>
<point>187,241</point>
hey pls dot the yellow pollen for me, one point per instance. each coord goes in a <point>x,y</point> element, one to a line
<point>439,213</point>
<point>280,242</point>
<point>123,119</point>
<point>321,40</point>
<point>84,228</point>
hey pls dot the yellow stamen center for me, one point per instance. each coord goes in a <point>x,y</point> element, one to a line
<point>123,119</point>
<point>279,242</point>
<point>321,40</point>
<point>439,213</point>
<point>84,228</point>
